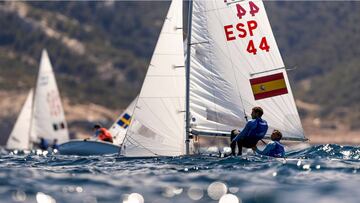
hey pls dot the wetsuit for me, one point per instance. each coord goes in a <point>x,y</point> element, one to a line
<point>253,131</point>
<point>274,149</point>
<point>43,144</point>
<point>104,135</point>
<point>55,146</point>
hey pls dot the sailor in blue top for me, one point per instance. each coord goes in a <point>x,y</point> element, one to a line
<point>274,148</point>
<point>253,131</point>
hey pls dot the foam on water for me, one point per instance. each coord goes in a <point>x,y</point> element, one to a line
<point>324,173</point>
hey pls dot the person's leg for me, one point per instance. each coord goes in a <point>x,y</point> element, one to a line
<point>247,143</point>
<point>106,140</point>
<point>232,145</point>
<point>239,144</point>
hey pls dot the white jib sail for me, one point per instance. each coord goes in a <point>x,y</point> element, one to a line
<point>49,119</point>
<point>20,134</point>
<point>157,127</point>
<point>122,123</point>
<point>236,65</point>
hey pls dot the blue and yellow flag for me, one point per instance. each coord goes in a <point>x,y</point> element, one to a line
<point>124,121</point>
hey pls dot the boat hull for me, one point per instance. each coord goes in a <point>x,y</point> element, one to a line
<point>87,148</point>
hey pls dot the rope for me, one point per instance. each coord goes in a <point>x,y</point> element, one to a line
<point>140,145</point>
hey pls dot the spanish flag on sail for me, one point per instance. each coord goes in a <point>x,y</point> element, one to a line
<point>268,86</point>
<point>124,121</point>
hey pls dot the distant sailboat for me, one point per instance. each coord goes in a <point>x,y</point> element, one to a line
<point>232,64</point>
<point>42,115</point>
<point>20,134</point>
<point>48,113</point>
<point>96,147</point>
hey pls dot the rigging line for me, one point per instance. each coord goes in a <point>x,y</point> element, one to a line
<point>273,114</point>
<point>161,122</point>
<point>134,145</point>
<point>237,84</point>
<point>154,114</point>
<point>232,66</point>
<point>227,56</point>
<point>146,148</point>
<point>139,144</point>
<point>132,117</point>
<point>169,112</point>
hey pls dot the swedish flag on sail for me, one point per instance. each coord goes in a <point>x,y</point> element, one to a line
<point>124,121</point>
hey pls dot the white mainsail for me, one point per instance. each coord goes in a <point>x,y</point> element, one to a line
<point>235,65</point>
<point>19,137</point>
<point>48,114</point>
<point>122,123</point>
<point>157,126</point>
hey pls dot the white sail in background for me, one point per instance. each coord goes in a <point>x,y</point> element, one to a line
<point>157,126</point>
<point>19,137</point>
<point>236,65</point>
<point>49,119</point>
<point>122,123</point>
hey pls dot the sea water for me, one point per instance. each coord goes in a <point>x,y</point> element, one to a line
<point>324,173</point>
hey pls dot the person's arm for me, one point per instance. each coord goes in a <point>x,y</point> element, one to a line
<point>267,149</point>
<point>283,154</point>
<point>248,127</point>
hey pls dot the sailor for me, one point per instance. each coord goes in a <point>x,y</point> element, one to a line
<point>102,133</point>
<point>44,145</point>
<point>274,148</point>
<point>55,144</point>
<point>253,131</point>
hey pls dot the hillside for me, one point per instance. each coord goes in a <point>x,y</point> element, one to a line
<point>100,51</point>
<point>321,39</point>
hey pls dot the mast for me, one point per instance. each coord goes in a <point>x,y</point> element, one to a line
<point>187,69</point>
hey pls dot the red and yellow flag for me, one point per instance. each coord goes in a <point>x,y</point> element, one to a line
<point>268,86</point>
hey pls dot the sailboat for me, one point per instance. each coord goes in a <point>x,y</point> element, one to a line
<point>88,147</point>
<point>42,115</point>
<point>232,64</point>
<point>158,126</point>
<point>20,135</point>
<point>161,99</point>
